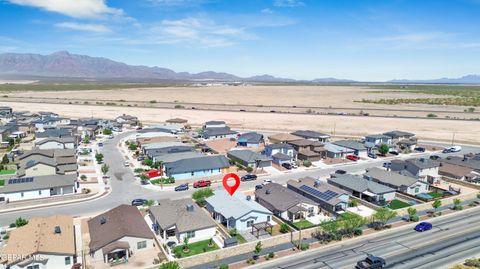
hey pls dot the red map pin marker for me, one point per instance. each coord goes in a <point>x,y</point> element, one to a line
<point>231,189</point>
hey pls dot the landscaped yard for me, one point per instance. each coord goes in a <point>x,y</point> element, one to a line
<point>194,248</point>
<point>2,182</point>
<point>7,172</point>
<point>303,224</point>
<point>159,181</point>
<point>435,195</point>
<point>397,204</point>
<point>240,239</point>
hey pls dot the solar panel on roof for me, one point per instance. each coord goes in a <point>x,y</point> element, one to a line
<point>326,196</point>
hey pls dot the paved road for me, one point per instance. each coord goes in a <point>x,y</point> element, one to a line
<point>125,188</point>
<point>454,238</point>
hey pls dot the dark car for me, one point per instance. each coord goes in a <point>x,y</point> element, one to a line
<point>257,187</point>
<point>372,155</point>
<point>423,226</point>
<point>140,158</point>
<point>138,202</point>
<point>202,183</point>
<point>447,151</point>
<point>387,165</point>
<point>183,187</point>
<point>371,262</point>
<point>248,177</point>
<point>420,149</point>
<point>393,152</point>
<point>287,166</point>
<point>340,172</point>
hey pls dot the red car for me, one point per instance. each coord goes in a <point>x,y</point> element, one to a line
<point>353,157</point>
<point>202,183</point>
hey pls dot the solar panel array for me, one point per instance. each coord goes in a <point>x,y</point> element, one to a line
<point>326,196</point>
<point>20,180</point>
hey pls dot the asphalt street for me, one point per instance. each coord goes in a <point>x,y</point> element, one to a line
<point>125,188</point>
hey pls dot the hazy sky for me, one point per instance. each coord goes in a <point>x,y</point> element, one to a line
<point>357,39</point>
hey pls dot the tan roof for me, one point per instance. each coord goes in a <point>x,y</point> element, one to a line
<point>123,220</point>
<point>221,146</point>
<point>454,170</point>
<point>39,236</point>
<point>156,139</point>
<point>177,120</point>
<point>284,137</point>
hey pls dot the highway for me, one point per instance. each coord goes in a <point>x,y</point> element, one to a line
<point>453,239</point>
<point>124,187</point>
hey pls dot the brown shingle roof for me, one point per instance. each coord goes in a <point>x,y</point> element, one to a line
<point>284,137</point>
<point>39,236</point>
<point>123,220</point>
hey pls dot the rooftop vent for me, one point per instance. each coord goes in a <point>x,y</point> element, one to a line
<point>189,208</point>
<point>57,230</point>
<point>103,220</point>
<point>249,197</point>
<point>267,192</point>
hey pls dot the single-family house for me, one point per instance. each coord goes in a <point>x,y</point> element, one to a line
<point>175,220</point>
<point>285,203</point>
<point>118,234</point>
<point>312,135</point>
<point>283,138</point>
<point>66,142</point>
<point>249,158</point>
<point>214,124</point>
<point>377,140</point>
<point>397,136</point>
<point>358,148</point>
<point>218,132</point>
<point>45,242</point>
<point>422,168</point>
<point>363,188</point>
<point>397,181</point>
<point>204,166</point>
<point>330,199</point>
<point>24,188</point>
<point>236,211</point>
<point>127,120</point>
<point>458,172</point>
<point>281,153</point>
<point>310,150</point>
<point>337,152</point>
<point>472,162</point>
<point>251,140</point>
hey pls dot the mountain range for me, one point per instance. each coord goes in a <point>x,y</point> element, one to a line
<point>68,66</point>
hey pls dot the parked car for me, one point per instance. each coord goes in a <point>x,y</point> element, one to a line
<point>340,172</point>
<point>248,177</point>
<point>257,187</point>
<point>447,150</point>
<point>420,149</point>
<point>110,136</point>
<point>127,164</point>
<point>452,149</point>
<point>423,226</point>
<point>372,155</point>
<point>393,152</point>
<point>267,181</point>
<point>353,157</point>
<point>287,166</point>
<point>202,183</point>
<point>138,202</point>
<point>100,144</point>
<point>387,165</point>
<point>140,158</point>
<point>183,187</point>
<point>371,262</point>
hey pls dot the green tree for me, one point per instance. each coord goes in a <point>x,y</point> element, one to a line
<point>331,227</point>
<point>105,169</point>
<point>412,213</point>
<point>383,149</point>
<point>202,194</point>
<point>86,139</point>
<point>352,222</point>
<point>11,142</point>
<point>185,243</point>
<point>284,228</point>
<point>258,248</point>
<point>354,203</point>
<point>170,265</point>
<point>5,159</point>
<point>249,169</point>
<point>456,204</point>
<point>148,162</point>
<point>307,163</point>
<point>149,203</point>
<point>436,204</point>
<point>132,146</point>
<point>224,266</point>
<point>383,215</point>
<point>99,157</point>
<point>107,131</point>
<point>19,222</point>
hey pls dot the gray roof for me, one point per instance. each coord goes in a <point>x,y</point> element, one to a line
<point>160,145</point>
<point>234,206</point>
<point>38,183</point>
<point>359,184</point>
<point>215,122</point>
<point>274,196</point>
<point>251,137</point>
<point>396,134</point>
<point>153,152</point>
<point>423,163</point>
<point>65,139</point>
<point>54,133</point>
<point>351,144</point>
<point>310,134</point>
<point>279,146</point>
<point>378,136</point>
<point>248,156</point>
<point>319,186</point>
<point>197,164</point>
<point>281,156</point>
<point>391,178</point>
<point>173,157</point>
<point>336,149</point>
<point>214,131</point>
<point>169,213</point>
<point>466,162</point>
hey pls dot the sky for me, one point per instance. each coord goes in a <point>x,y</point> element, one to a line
<point>365,40</point>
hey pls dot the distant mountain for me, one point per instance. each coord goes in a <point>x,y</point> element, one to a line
<point>332,80</point>
<point>469,79</point>
<point>63,64</point>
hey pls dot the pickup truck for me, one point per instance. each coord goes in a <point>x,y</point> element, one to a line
<point>371,262</point>
<point>202,183</point>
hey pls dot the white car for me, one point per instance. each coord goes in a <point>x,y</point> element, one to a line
<point>267,181</point>
<point>127,163</point>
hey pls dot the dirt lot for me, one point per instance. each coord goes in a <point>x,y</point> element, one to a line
<point>433,129</point>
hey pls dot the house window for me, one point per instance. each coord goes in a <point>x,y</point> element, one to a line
<point>192,174</point>
<point>191,234</point>
<point>35,266</point>
<point>141,244</point>
<point>39,192</point>
<point>67,260</point>
<point>310,210</point>
<point>249,223</point>
<point>417,190</point>
<point>21,194</point>
<point>268,218</point>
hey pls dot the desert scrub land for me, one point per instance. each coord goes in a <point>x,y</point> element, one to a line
<point>451,95</point>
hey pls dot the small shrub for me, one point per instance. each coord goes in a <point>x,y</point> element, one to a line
<point>414,218</point>
<point>5,237</point>
<point>307,163</point>
<point>83,177</point>
<point>271,255</point>
<point>224,266</point>
<point>284,228</point>
<point>12,225</point>
<point>357,232</point>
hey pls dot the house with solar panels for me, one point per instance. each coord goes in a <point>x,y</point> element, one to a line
<point>330,199</point>
<point>17,189</point>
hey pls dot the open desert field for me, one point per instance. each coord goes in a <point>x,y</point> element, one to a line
<point>431,129</point>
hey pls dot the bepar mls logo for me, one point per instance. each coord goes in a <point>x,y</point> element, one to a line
<point>21,257</point>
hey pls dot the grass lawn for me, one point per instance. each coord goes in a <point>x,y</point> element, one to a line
<point>240,239</point>
<point>2,182</point>
<point>158,181</point>
<point>435,195</point>
<point>303,224</point>
<point>195,248</point>
<point>7,172</point>
<point>397,204</point>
